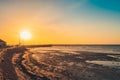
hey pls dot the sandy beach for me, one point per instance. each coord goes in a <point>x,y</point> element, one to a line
<point>26,64</point>
<point>59,39</point>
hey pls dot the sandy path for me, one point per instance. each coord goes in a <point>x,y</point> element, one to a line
<point>6,66</point>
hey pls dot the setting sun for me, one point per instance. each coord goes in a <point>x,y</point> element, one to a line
<point>25,35</point>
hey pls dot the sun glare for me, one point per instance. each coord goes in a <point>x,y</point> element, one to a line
<point>25,35</point>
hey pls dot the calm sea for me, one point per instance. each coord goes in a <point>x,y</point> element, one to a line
<point>115,49</point>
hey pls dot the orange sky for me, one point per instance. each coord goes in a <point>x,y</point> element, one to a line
<point>58,23</point>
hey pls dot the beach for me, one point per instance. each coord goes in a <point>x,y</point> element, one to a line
<point>19,63</point>
<point>59,39</point>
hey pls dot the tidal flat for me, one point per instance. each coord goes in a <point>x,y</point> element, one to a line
<point>57,64</point>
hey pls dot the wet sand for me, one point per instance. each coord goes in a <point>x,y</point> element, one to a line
<point>59,65</point>
<point>22,64</point>
<point>7,69</point>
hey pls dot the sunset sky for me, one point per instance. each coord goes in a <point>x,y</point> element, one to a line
<point>61,21</point>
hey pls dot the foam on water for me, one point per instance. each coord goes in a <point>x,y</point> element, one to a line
<point>113,64</point>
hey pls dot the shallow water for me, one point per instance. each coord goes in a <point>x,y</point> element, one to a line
<point>101,49</point>
<point>115,56</point>
<point>112,64</point>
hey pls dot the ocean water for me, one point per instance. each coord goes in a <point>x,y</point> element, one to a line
<point>115,49</point>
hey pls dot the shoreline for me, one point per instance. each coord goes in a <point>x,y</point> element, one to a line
<point>56,65</point>
<point>18,63</point>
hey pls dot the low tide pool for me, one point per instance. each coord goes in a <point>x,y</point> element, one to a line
<point>112,64</point>
<point>115,56</point>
